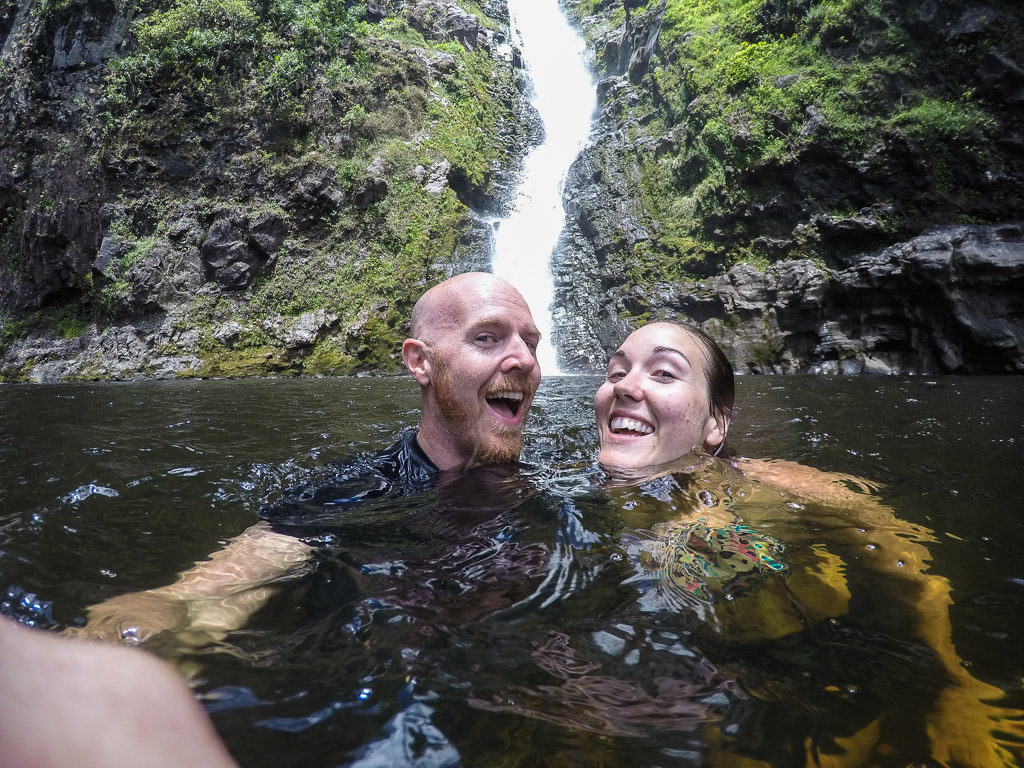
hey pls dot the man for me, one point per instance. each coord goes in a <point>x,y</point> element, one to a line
<point>472,349</point>
<point>474,353</point>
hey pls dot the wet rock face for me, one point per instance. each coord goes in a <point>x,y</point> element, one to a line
<point>949,301</point>
<point>893,283</point>
<point>234,250</point>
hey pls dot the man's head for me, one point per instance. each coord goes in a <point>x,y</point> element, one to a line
<point>473,350</point>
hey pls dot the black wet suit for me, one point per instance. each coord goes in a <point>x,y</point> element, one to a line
<point>402,469</point>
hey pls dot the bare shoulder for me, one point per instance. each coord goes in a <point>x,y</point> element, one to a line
<point>808,482</point>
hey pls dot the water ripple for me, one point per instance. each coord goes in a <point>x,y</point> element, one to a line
<point>83,492</point>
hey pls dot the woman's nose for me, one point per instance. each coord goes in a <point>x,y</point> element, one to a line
<point>629,386</point>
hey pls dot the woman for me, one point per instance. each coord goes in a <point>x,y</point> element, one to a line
<point>669,392</point>
<point>666,404</point>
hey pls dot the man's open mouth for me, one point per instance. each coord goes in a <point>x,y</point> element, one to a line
<point>506,403</point>
<point>620,425</point>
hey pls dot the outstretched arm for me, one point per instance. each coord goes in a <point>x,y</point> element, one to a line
<point>66,702</point>
<point>212,597</point>
<point>963,724</point>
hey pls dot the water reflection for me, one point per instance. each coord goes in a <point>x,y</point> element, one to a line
<point>536,616</point>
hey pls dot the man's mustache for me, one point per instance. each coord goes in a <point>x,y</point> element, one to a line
<point>506,383</point>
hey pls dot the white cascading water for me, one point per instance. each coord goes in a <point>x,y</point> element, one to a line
<point>564,97</point>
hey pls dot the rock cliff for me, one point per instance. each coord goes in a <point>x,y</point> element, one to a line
<point>223,187</point>
<point>824,187</point>
<point>253,187</point>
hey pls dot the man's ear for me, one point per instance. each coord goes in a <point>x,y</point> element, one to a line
<point>414,355</point>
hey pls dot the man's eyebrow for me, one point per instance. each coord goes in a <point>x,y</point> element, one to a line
<point>498,320</point>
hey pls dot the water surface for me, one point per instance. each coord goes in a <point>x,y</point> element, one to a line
<point>494,622</point>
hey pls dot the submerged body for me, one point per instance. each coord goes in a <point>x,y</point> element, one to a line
<point>518,629</point>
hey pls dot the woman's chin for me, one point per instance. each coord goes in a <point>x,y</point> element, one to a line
<point>633,467</point>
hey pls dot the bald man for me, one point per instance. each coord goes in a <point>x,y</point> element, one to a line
<point>474,353</point>
<point>472,349</point>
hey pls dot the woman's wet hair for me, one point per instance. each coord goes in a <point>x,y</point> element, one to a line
<point>717,370</point>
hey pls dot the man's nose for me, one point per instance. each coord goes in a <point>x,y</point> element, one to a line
<point>519,356</point>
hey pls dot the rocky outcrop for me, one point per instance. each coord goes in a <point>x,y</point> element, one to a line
<point>828,252</point>
<point>214,211</point>
<point>949,301</point>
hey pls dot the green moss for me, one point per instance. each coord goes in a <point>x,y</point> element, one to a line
<point>328,358</point>
<point>465,117</point>
<point>13,329</point>
<point>71,324</point>
<point>243,362</point>
<point>748,92</point>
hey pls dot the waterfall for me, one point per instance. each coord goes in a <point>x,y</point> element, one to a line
<point>564,96</point>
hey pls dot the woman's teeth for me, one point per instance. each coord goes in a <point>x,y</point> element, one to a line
<point>620,424</point>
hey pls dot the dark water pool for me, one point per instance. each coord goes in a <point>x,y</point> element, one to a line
<point>507,619</point>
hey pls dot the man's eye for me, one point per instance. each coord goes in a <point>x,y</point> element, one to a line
<point>486,338</point>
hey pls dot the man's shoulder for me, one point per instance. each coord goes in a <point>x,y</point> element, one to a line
<point>404,462</point>
<point>401,469</point>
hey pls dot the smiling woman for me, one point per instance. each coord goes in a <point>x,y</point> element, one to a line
<point>669,392</point>
<point>665,404</point>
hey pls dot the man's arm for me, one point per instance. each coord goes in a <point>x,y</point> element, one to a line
<point>214,596</point>
<point>65,702</point>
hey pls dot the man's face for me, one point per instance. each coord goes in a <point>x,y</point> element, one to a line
<point>484,374</point>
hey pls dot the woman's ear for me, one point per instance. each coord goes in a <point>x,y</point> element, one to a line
<point>417,360</point>
<point>715,429</point>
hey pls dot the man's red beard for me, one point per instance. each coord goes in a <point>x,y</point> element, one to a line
<point>501,444</point>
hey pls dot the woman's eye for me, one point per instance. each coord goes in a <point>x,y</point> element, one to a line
<point>664,375</point>
<point>614,376</point>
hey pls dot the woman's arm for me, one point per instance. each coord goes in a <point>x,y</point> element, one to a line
<point>964,722</point>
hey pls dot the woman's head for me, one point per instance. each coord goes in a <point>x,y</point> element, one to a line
<point>669,391</point>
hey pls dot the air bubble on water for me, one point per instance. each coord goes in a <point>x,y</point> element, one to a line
<point>130,635</point>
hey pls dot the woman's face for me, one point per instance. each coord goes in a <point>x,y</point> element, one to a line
<point>653,407</point>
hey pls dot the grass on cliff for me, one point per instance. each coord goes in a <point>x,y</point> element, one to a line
<point>259,97</point>
<point>750,89</point>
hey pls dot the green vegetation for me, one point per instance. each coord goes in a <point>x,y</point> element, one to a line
<point>303,110</point>
<point>744,99</point>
